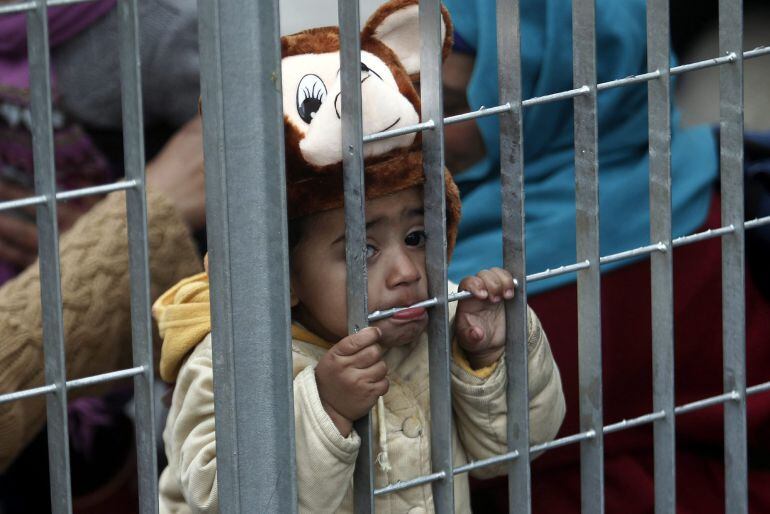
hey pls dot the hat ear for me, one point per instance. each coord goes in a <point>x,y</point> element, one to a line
<point>397,25</point>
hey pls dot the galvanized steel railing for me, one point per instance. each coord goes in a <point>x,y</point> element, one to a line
<point>243,138</point>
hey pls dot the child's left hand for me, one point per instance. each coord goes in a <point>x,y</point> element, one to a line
<point>480,320</point>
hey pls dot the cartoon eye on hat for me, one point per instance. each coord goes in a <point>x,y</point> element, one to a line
<point>311,92</point>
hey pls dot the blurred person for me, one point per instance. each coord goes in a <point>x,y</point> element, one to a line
<point>698,93</point>
<point>96,313</point>
<point>546,39</point>
<point>86,113</point>
<point>86,93</point>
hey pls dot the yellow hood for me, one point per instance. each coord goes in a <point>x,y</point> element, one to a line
<point>184,320</point>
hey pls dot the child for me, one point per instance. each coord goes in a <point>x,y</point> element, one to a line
<point>338,377</point>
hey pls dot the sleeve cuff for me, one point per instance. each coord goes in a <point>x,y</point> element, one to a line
<point>459,357</point>
<point>344,448</point>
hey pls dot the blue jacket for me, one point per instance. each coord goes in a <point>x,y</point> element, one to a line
<point>546,29</point>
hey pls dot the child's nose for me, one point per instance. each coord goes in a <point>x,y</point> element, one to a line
<point>403,269</point>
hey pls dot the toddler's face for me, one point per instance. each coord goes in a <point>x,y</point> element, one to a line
<point>395,265</point>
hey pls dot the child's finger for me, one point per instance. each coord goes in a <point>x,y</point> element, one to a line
<point>493,284</point>
<point>506,279</point>
<point>376,372</point>
<point>354,343</point>
<point>380,388</point>
<point>475,285</point>
<point>368,356</point>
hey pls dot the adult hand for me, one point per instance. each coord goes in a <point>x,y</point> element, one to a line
<point>351,376</point>
<point>177,173</point>
<point>480,320</point>
<point>18,232</point>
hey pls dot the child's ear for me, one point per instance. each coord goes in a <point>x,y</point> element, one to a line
<point>397,25</point>
<point>293,299</point>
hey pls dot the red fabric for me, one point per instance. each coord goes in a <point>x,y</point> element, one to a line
<point>627,385</point>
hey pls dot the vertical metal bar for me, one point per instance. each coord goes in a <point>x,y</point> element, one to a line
<point>355,223</point>
<point>247,236</point>
<point>514,250</point>
<point>48,244</point>
<point>733,273</point>
<point>431,43</point>
<point>659,98</point>
<point>141,327</point>
<point>588,280</point>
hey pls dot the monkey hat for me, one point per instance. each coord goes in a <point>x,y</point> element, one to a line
<point>390,61</point>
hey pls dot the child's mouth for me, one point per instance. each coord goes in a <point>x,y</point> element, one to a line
<point>413,314</point>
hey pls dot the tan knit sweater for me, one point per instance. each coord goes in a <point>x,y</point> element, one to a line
<point>96,300</point>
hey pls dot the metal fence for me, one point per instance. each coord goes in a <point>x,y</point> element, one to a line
<point>246,215</point>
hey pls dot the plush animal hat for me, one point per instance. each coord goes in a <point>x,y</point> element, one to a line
<point>390,61</point>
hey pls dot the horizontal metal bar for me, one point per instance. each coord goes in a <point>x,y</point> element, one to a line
<point>481,112</point>
<point>27,6</point>
<point>566,95</point>
<point>576,438</point>
<point>659,247</point>
<point>555,97</point>
<point>97,190</point>
<point>700,65</point>
<point>707,402</point>
<point>756,222</point>
<point>73,384</point>
<point>497,459</point>
<point>702,236</point>
<point>105,377</point>
<point>563,441</point>
<point>756,52</point>
<point>431,302</point>
<point>69,195</point>
<point>27,393</point>
<point>23,202</point>
<point>634,422</point>
<point>628,254</point>
<point>561,270</point>
<point>426,125</point>
<point>759,388</point>
<point>406,484</point>
<point>627,81</point>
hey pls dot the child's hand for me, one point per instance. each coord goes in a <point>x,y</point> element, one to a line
<point>480,320</point>
<point>351,376</point>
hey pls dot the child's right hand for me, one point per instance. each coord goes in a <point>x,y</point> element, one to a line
<point>351,376</point>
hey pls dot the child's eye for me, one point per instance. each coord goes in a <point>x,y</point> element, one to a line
<point>416,238</point>
<point>370,251</point>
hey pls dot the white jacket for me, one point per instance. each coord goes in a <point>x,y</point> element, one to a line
<point>326,460</point>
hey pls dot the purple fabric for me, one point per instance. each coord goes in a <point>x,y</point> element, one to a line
<point>64,22</point>
<point>78,163</point>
